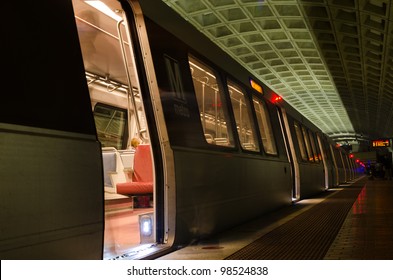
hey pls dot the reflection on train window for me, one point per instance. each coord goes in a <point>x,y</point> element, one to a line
<point>308,145</point>
<point>313,146</point>
<point>110,125</point>
<point>265,127</point>
<point>300,140</point>
<point>211,103</point>
<point>241,110</point>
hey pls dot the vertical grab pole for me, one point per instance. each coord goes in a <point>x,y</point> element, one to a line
<point>130,95</point>
<point>203,108</point>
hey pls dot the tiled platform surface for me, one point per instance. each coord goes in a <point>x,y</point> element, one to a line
<point>310,230</point>
<point>367,233</point>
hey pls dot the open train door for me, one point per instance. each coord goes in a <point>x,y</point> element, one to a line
<point>290,148</point>
<point>136,155</point>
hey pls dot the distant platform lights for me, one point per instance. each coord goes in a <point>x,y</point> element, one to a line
<point>357,161</point>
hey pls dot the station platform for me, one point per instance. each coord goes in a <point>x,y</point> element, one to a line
<point>351,222</point>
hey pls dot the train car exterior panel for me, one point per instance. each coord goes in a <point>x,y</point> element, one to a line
<point>311,179</point>
<point>217,186</point>
<point>47,201</point>
<point>329,167</point>
<point>50,159</point>
<point>341,171</point>
<point>311,170</point>
<point>217,191</point>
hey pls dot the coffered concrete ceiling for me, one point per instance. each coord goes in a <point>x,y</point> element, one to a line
<point>330,59</point>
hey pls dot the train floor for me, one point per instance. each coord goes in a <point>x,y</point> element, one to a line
<point>351,222</point>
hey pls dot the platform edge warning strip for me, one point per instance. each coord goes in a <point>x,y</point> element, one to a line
<point>308,236</point>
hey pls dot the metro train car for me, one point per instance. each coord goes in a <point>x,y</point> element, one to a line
<point>216,150</point>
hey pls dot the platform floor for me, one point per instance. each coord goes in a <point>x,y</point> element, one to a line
<point>351,222</point>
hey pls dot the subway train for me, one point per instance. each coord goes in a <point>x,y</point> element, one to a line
<point>217,147</point>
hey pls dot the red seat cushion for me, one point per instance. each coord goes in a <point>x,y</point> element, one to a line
<point>143,171</point>
<point>135,188</point>
<point>142,177</point>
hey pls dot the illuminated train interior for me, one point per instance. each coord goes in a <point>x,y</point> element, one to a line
<point>119,117</point>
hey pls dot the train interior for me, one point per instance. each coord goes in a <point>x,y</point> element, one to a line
<point>121,127</point>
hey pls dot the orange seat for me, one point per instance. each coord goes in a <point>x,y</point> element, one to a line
<point>142,176</point>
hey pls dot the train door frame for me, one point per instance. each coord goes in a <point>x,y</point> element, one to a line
<point>140,75</point>
<point>165,194</point>
<point>348,166</point>
<point>324,160</point>
<point>335,165</point>
<point>344,165</point>
<point>289,145</point>
<point>351,167</point>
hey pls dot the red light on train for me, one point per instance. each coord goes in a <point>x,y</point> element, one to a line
<point>351,155</point>
<point>276,98</point>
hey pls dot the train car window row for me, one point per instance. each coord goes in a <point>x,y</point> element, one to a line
<point>309,150</point>
<point>215,118</point>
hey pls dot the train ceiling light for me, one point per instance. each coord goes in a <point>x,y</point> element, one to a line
<point>102,7</point>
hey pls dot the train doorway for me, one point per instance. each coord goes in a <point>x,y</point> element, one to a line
<point>290,148</point>
<point>128,169</point>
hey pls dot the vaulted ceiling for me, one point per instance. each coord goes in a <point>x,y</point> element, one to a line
<point>330,59</point>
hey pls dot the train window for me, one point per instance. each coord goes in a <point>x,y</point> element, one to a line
<point>111,125</point>
<point>300,140</point>
<point>308,145</point>
<point>241,110</point>
<point>313,146</point>
<point>265,127</point>
<point>211,103</point>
